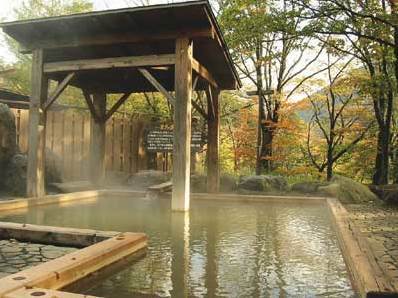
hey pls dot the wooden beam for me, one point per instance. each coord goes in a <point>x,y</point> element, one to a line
<point>198,108</point>
<point>63,271</point>
<point>97,140</point>
<point>53,235</point>
<point>37,128</point>
<point>105,63</point>
<point>60,88</point>
<point>213,144</point>
<point>118,38</point>
<point>182,126</point>
<point>90,105</point>
<point>117,105</point>
<point>195,83</point>
<point>264,92</point>
<point>34,292</point>
<point>210,102</point>
<point>195,103</point>
<point>157,85</point>
<point>203,72</point>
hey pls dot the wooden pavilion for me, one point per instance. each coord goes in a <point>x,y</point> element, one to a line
<point>173,49</point>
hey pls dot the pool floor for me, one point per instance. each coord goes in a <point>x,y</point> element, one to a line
<point>218,249</point>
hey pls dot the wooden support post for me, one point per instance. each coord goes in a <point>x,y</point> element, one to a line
<point>37,128</point>
<point>97,139</point>
<point>182,125</point>
<point>213,141</point>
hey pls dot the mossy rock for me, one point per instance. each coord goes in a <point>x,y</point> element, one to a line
<point>228,184</point>
<point>198,183</point>
<point>262,183</point>
<point>307,187</point>
<point>348,190</point>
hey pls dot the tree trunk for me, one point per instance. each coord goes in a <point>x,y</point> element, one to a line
<point>381,167</point>
<point>329,167</point>
<point>266,148</point>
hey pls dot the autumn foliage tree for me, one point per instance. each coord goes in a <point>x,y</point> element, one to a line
<point>339,121</point>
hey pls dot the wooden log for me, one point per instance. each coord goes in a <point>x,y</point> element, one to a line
<point>44,293</point>
<point>182,125</point>
<point>213,143</point>
<point>37,128</point>
<point>204,73</point>
<point>155,83</point>
<point>117,38</point>
<point>63,271</point>
<point>60,88</point>
<point>97,140</point>
<point>104,63</point>
<point>53,235</point>
<point>117,105</point>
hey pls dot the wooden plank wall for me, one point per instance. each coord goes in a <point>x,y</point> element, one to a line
<point>68,136</point>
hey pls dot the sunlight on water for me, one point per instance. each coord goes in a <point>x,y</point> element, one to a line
<point>218,249</point>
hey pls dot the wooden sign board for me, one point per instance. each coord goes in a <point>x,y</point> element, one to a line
<point>161,140</point>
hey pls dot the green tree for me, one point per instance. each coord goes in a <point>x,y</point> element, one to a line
<point>270,54</point>
<point>19,79</point>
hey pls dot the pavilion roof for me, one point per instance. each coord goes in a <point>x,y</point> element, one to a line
<point>137,31</point>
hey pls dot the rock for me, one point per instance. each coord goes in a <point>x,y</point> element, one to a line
<point>15,178</point>
<point>228,184</point>
<point>307,187</point>
<point>8,145</point>
<point>198,183</point>
<point>348,191</point>
<point>263,183</point>
<point>144,179</point>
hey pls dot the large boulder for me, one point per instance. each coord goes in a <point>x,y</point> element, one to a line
<point>15,178</point>
<point>16,172</point>
<point>228,184</point>
<point>307,187</point>
<point>262,183</point>
<point>143,179</point>
<point>8,145</point>
<point>348,191</point>
<point>198,183</point>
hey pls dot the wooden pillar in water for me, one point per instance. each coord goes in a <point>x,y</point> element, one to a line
<point>97,139</point>
<point>182,125</point>
<point>213,141</point>
<point>37,128</point>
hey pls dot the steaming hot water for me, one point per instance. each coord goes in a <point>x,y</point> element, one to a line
<point>223,249</point>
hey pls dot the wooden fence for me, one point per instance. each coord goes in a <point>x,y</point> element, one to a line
<point>68,138</point>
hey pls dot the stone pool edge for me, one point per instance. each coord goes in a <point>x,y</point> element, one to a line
<point>367,278</point>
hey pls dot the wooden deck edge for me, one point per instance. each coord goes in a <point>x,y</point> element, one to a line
<point>53,235</point>
<point>366,275</point>
<point>257,198</point>
<point>44,293</point>
<point>49,199</point>
<point>63,271</point>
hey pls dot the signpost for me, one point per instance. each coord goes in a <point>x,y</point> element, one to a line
<point>161,140</point>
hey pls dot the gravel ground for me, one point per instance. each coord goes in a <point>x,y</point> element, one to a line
<point>16,256</point>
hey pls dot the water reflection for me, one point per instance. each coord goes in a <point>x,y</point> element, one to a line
<point>217,250</point>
